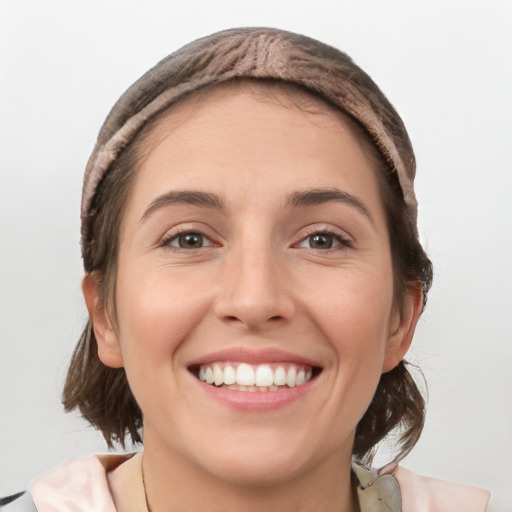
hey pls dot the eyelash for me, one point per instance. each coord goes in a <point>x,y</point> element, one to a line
<point>175,236</point>
<point>340,242</point>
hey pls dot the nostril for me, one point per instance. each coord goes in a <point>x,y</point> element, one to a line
<point>233,318</point>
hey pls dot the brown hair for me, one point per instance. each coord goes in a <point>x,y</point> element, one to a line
<point>102,394</point>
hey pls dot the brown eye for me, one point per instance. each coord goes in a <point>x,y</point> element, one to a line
<point>321,241</point>
<point>189,240</point>
<point>324,240</point>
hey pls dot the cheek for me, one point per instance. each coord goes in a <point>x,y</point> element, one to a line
<point>353,313</point>
<point>158,310</point>
<point>354,309</point>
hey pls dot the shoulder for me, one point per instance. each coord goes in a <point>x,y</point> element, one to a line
<point>81,482</point>
<point>396,489</point>
<point>426,494</point>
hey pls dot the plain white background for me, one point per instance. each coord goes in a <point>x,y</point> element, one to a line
<point>445,65</point>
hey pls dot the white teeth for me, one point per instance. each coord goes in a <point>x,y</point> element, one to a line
<point>280,376</point>
<point>218,375</point>
<point>229,375</point>
<point>245,375</point>
<point>291,377</point>
<point>264,375</point>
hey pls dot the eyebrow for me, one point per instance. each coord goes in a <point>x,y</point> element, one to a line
<point>318,196</point>
<point>298,199</point>
<point>192,197</point>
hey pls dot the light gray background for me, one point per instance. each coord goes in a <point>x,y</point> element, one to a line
<point>447,67</point>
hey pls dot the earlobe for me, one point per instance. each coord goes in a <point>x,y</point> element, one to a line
<point>400,338</point>
<point>109,350</point>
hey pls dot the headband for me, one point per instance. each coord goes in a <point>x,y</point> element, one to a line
<point>262,53</point>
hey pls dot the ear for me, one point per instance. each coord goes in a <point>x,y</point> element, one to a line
<point>402,330</point>
<point>109,350</point>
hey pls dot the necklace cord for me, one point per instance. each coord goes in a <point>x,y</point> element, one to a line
<point>144,486</point>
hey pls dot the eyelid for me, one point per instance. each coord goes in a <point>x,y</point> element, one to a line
<point>181,229</point>
<point>206,241</point>
<point>344,239</point>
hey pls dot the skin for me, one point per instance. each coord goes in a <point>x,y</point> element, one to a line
<point>259,282</point>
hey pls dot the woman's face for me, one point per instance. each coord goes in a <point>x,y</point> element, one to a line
<point>253,254</point>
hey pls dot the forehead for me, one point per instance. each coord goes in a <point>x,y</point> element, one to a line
<point>254,153</point>
<point>287,95</point>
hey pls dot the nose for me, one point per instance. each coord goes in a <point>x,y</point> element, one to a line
<point>255,291</point>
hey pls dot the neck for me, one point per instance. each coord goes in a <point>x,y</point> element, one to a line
<point>175,484</point>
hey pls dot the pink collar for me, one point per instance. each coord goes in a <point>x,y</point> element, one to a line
<point>81,484</point>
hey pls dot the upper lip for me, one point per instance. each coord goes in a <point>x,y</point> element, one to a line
<point>253,356</point>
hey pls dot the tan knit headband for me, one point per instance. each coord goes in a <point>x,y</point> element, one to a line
<point>255,53</point>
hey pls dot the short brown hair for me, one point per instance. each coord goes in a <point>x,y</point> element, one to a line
<point>103,395</point>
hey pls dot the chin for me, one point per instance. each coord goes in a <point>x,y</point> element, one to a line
<point>261,460</point>
<point>260,471</point>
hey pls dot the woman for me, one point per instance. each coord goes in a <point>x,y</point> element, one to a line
<point>253,281</point>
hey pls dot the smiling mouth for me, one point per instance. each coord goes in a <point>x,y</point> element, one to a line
<point>260,377</point>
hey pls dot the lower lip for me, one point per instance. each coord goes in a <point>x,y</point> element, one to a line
<point>256,400</point>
